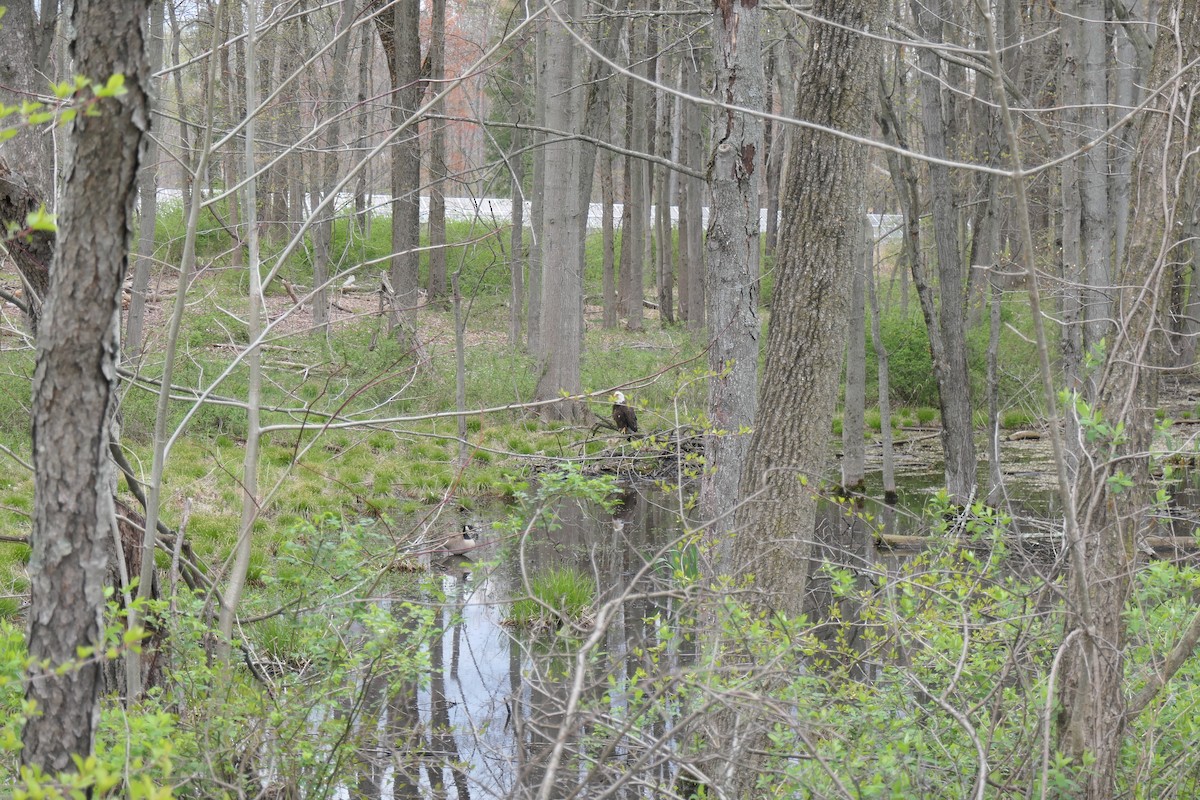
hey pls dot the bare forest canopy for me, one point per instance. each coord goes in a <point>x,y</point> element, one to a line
<point>796,399</point>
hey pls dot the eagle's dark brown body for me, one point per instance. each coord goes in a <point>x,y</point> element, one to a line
<point>624,416</point>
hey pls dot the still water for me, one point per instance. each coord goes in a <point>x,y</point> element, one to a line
<point>509,713</point>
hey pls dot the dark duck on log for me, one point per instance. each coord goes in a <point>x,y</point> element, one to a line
<point>624,416</point>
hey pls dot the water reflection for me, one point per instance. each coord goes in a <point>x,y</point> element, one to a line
<point>495,713</point>
<point>511,714</point>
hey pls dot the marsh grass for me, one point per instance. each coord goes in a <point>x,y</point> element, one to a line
<point>359,373</point>
<point>556,595</point>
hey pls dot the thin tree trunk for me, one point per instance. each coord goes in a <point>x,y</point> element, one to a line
<point>516,167</point>
<point>398,30</point>
<point>74,391</point>
<point>362,186</point>
<point>250,499</point>
<point>148,194</point>
<point>1095,228</point>
<point>770,156</point>
<point>693,143</point>
<point>533,316</point>
<point>665,252</point>
<point>327,177</point>
<point>1113,485</point>
<point>954,395</point>
<point>885,401</point>
<point>231,28</point>
<point>437,157</point>
<point>608,265</point>
<point>854,452</point>
<point>516,298</point>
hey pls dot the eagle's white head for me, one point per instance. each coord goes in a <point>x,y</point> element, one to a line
<point>619,398</point>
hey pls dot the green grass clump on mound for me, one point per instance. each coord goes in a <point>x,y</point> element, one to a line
<point>558,594</point>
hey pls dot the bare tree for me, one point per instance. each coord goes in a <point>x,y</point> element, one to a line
<point>75,388</point>
<point>954,386</point>
<point>147,202</point>
<point>398,30</point>
<point>328,169</point>
<point>733,247</point>
<point>563,223</point>
<point>437,156</point>
<point>1112,487</point>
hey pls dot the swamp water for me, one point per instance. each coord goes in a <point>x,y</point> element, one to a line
<point>507,712</point>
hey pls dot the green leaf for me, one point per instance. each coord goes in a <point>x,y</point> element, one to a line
<point>115,87</point>
<point>41,220</point>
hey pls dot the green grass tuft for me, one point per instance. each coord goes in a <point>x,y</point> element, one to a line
<point>556,594</point>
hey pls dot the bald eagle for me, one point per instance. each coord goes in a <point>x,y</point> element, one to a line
<point>624,416</point>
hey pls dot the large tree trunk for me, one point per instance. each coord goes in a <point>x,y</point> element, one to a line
<point>807,331</point>
<point>1113,485</point>
<point>563,225</point>
<point>75,389</point>
<point>732,243</point>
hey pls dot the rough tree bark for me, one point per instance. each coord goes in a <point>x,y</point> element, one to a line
<point>806,338</point>
<point>563,222</point>
<point>807,333</point>
<point>733,240</point>
<point>75,386</point>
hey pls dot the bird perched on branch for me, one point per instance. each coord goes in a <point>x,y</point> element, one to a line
<point>624,416</point>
